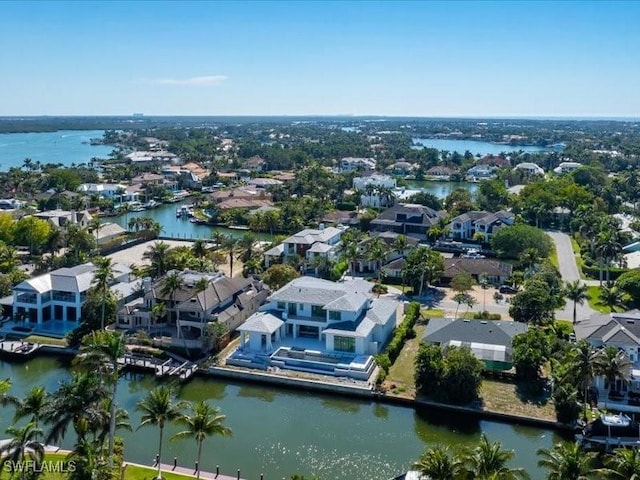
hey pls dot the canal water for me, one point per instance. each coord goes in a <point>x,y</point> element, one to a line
<point>279,432</point>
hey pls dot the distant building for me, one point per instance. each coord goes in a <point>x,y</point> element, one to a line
<point>566,167</point>
<point>307,244</point>
<point>481,172</point>
<point>492,271</point>
<point>111,191</point>
<point>530,168</point>
<point>160,156</point>
<point>352,164</point>
<point>63,218</point>
<point>376,190</point>
<point>401,168</point>
<point>441,172</point>
<point>255,164</point>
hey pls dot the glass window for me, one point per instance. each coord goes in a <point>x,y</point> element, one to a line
<point>317,311</point>
<point>344,344</point>
<point>280,305</point>
<point>333,315</point>
<point>293,309</point>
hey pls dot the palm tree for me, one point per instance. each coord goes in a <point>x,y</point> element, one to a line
<point>439,463</point>
<point>231,245</point>
<point>566,461</point>
<point>611,296</point>
<point>171,284</point>
<point>205,421</point>
<point>376,251</point>
<point>245,246</point>
<point>460,298</point>
<point>575,291</point>
<point>623,464</point>
<point>157,255</point>
<point>200,286</point>
<point>350,253</point>
<point>95,226</point>
<point>159,408</point>
<point>74,403</point>
<point>34,404</point>
<point>400,244</point>
<point>583,358</point>
<point>23,444</point>
<point>5,398</point>
<point>102,278</point>
<point>55,240</point>
<point>612,364</point>
<point>489,460</point>
<point>199,248</point>
<point>100,351</point>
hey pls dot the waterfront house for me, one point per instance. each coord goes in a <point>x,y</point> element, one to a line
<point>60,294</point>
<point>111,191</point>
<point>160,156</point>
<point>352,164</point>
<point>620,330</point>
<point>481,172</point>
<point>110,233</point>
<point>401,168</point>
<point>188,310</point>
<point>338,317</point>
<point>492,271</point>
<point>264,183</point>
<point>490,341</point>
<point>465,226</point>
<point>408,219</point>
<point>440,172</point>
<point>307,244</point>
<point>148,178</point>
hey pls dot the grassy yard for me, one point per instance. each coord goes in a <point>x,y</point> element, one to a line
<point>515,399</point>
<point>578,257</point>
<point>553,258</point>
<point>59,342</point>
<point>400,378</point>
<point>593,298</point>
<point>432,312</point>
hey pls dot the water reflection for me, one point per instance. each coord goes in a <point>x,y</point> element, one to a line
<point>342,405</point>
<point>264,394</point>
<point>380,411</point>
<point>198,389</point>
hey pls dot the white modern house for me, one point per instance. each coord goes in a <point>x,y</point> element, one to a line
<point>307,244</point>
<point>63,218</point>
<point>566,167</point>
<point>530,168</point>
<point>353,164</point>
<point>106,190</point>
<point>373,188</point>
<point>338,317</point>
<point>60,294</point>
<point>481,172</point>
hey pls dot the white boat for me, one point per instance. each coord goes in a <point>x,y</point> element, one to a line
<point>136,207</point>
<point>151,204</point>
<point>611,431</point>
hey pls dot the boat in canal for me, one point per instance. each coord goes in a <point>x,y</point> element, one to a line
<point>610,431</point>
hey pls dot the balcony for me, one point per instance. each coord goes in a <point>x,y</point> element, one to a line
<point>27,298</point>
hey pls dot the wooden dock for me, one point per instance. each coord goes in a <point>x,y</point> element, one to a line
<point>18,349</point>
<point>170,367</point>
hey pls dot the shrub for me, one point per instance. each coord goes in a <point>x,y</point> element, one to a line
<point>486,316</point>
<point>382,360</point>
<point>403,331</point>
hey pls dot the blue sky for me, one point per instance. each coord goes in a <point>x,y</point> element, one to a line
<point>297,58</point>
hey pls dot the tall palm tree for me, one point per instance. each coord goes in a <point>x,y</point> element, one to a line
<point>74,403</point>
<point>400,244</point>
<point>567,461</point>
<point>611,296</point>
<point>159,408</point>
<point>489,460</point>
<point>199,248</point>
<point>583,359</point>
<point>230,244</point>
<point>441,464</point>
<point>612,364</point>
<point>33,405</point>
<point>5,397</point>
<point>376,251</point>
<point>102,278</point>
<point>23,445</point>
<point>205,421</point>
<point>55,241</point>
<point>100,351</point>
<point>200,286</point>
<point>623,464</point>
<point>171,284</point>
<point>575,291</point>
<point>94,226</point>
<point>157,255</point>
<point>246,247</point>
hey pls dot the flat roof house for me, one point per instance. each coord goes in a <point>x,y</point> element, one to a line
<point>490,341</point>
<point>308,244</point>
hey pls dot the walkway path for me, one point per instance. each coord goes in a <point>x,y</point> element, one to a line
<point>189,472</point>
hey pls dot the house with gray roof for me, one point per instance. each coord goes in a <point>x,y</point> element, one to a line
<point>408,219</point>
<point>339,317</point>
<point>490,341</point>
<point>307,244</point>
<point>188,310</point>
<point>492,271</point>
<point>466,225</point>
<point>620,330</point>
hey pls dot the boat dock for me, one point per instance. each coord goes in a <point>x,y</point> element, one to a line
<point>18,349</point>
<point>162,368</point>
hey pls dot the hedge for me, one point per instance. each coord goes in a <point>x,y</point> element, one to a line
<point>594,272</point>
<point>403,332</point>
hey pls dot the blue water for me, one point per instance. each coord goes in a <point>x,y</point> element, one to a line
<point>64,146</point>
<point>475,147</point>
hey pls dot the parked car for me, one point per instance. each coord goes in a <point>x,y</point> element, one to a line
<point>507,289</point>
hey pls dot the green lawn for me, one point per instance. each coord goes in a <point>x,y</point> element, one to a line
<point>578,257</point>
<point>553,258</point>
<point>59,342</point>
<point>593,298</point>
<point>432,312</point>
<point>510,398</point>
<point>400,378</point>
<point>135,472</point>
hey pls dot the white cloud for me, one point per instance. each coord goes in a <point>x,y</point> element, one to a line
<point>204,81</point>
